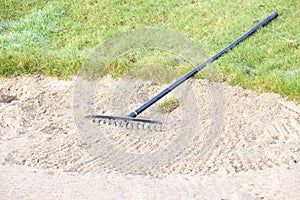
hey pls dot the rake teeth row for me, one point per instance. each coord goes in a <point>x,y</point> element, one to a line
<point>128,123</point>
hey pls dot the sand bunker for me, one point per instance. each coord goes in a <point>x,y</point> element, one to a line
<point>256,154</point>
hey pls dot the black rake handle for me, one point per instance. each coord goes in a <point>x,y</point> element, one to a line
<point>202,65</point>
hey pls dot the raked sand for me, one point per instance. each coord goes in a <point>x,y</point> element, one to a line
<point>44,156</point>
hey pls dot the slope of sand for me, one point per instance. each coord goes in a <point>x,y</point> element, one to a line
<point>29,183</point>
<point>42,155</point>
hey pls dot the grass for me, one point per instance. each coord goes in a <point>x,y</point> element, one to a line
<point>168,105</point>
<point>55,37</point>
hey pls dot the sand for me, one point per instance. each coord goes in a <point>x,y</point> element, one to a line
<point>253,152</point>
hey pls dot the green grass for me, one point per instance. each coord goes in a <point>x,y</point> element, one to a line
<point>168,105</point>
<point>55,37</point>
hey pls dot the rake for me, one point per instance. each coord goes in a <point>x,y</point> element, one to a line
<point>131,122</point>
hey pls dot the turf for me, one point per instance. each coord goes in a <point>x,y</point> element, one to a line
<point>55,37</point>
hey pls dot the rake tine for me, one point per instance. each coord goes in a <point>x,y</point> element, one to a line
<point>144,126</point>
<point>121,123</point>
<point>129,126</point>
<point>105,121</point>
<point>148,128</point>
<point>159,129</point>
<point>138,126</point>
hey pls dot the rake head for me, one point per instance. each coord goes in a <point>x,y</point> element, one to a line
<point>129,123</point>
